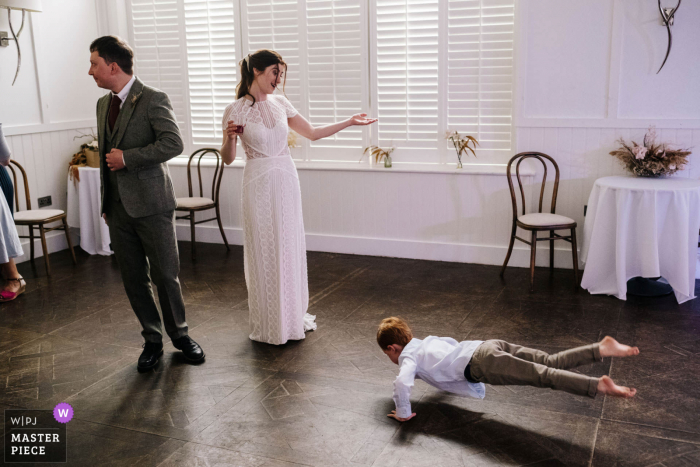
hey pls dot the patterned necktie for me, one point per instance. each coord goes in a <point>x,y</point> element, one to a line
<point>114,111</point>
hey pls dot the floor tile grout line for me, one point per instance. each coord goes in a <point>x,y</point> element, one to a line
<point>20,345</point>
<point>337,284</point>
<point>101,379</point>
<point>82,318</point>
<point>655,427</point>
<point>595,440</point>
<point>230,450</point>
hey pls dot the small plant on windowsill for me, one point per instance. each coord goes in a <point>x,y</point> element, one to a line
<point>462,144</point>
<point>379,154</point>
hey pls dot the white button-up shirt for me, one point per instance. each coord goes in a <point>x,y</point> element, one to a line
<point>125,91</point>
<point>440,362</point>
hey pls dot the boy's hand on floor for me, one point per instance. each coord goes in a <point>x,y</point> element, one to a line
<point>393,415</point>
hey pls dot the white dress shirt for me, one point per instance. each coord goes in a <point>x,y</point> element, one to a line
<point>125,91</point>
<point>122,95</point>
<point>440,362</point>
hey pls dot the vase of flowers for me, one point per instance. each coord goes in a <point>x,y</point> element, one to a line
<point>380,154</point>
<point>651,159</point>
<point>92,154</point>
<point>461,143</point>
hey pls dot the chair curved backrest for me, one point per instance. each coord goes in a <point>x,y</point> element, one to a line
<point>540,157</point>
<point>26,184</point>
<point>218,172</point>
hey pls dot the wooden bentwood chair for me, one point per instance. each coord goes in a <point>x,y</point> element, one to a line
<point>194,204</point>
<point>539,221</point>
<point>33,218</point>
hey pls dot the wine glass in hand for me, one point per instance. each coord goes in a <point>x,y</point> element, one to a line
<point>235,127</point>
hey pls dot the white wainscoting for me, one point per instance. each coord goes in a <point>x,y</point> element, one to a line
<point>438,216</point>
<point>45,157</point>
<point>380,212</point>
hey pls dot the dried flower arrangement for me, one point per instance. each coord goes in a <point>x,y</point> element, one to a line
<point>379,154</point>
<point>651,159</point>
<point>461,144</point>
<point>80,159</point>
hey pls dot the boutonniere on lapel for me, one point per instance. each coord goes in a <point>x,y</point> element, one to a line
<point>135,98</point>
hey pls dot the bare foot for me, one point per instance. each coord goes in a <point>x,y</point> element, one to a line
<point>12,286</point>
<point>607,386</point>
<point>609,347</point>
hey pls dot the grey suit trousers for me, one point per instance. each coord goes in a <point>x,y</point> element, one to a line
<point>498,362</point>
<point>146,247</point>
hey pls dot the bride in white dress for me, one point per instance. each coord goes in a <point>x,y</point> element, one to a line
<point>274,244</point>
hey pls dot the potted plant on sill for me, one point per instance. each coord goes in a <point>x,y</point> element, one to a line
<point>462,144</point>
<point>379,154</point>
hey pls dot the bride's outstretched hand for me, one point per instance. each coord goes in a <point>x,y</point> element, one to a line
<point>361,119</point>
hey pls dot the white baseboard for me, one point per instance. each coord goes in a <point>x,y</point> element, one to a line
<point>55,241</point>
<point>434,251</point>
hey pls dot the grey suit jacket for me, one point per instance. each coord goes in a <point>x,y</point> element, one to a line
<point>146,130</point>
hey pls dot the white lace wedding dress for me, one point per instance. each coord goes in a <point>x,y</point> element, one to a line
<point>274,246</point>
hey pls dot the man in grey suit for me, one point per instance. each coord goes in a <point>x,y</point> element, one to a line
<point>138,134</point>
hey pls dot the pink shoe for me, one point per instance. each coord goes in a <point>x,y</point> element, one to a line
<point>7,296</point>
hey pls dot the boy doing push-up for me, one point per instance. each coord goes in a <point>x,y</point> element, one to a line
<point>464,367</point>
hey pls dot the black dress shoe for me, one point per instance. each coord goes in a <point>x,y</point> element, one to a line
<point>191,350</point>
<point>150,355</point>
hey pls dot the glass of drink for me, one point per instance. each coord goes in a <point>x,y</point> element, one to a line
<point>240,121</point>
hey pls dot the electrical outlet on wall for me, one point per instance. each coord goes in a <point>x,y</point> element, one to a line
<point>45,201</point>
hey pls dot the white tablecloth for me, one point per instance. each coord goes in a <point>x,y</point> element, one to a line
<point>644,227</point>
<point>84,212</point>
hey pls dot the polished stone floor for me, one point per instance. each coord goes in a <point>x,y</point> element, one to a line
<point>323,401</point>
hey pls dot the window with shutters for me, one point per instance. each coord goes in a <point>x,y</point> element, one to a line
<point>422,66</point>
<point>211,66</point>
<point>156,38</point>
<point>480,71</point>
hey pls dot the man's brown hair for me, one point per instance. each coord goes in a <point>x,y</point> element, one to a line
<point>114,49</point>
<point>393,331</point>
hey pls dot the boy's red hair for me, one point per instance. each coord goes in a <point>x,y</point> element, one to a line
<point>393,331</point>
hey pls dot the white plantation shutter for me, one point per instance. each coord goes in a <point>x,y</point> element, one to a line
<point>274,24</point>
<point>336,63</point>
<point>156,41</point>
<point>435,65</point>
<point>211,66</point>
<point>407,74</point>
<point>480,70</point>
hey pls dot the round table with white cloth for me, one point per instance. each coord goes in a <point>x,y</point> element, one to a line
<point>641,227</point>
<point>84,212</point>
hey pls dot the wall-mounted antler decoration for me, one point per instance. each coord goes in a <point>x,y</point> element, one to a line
<point>667,17</point>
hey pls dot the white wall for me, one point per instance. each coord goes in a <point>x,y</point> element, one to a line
<point>53,99</point>
<point>586,75</point>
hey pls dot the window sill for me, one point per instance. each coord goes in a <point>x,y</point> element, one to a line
<point>398,167</point>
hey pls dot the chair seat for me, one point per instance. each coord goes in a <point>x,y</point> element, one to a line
<point>194,202</point>
<point>542,219</point>
<point>37,215</point>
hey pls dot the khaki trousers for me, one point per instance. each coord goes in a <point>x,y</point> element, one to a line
<point>498,362</point>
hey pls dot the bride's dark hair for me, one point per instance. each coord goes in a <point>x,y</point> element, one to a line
<point>259,60</point>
